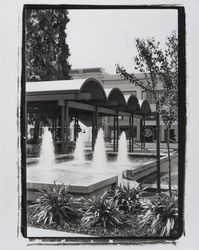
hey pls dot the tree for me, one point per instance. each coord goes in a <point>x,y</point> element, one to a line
<point>158,65</point>
<point>169,100</point>
<point>46,51</point>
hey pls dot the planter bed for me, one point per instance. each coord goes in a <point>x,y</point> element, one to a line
<point>132,230</point>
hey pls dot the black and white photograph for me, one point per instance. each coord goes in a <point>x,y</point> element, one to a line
<point>101,134</point>
<point>99,124</point>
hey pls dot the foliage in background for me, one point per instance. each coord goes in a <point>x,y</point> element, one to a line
<point>102,211</point>
<point>46,51</point>
<point>55,205</point>
<point>160,213</point>
<point>169,99</point>
<point>169,76</point>
<point>158,65</point>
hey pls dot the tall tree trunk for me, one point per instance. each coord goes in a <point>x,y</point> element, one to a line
<point>169,157</point>
<point>158,148</point>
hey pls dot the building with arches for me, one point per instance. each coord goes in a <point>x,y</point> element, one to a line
<point>109,81</point>
<point>87,100</point>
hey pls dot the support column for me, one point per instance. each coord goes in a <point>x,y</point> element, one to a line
<point>97,121</point>
<point>132,134</point>
<point>95,126</point>
<point>76,129</point>
<point>144,118</point>
<point>67,122</point>
<point>55,135</point>
<point>141,138</point>
<point>56,121</point>
<point>53,129</point>
<point>62,128</point>
<point>117,127</point>
<point>114,133</point>
<point>158,150</point>
<point>93,131</point>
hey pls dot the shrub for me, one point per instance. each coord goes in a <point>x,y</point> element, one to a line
<point>33,150</point>
<point>127,198</point>
<point>160,214</point>
<point>102,211</point>
<point>55,205</point>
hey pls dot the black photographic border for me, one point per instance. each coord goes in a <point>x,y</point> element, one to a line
<point>181,130</point>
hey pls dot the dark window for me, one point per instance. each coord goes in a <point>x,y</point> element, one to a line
<point>74,71</point>
<point>92,70</point>
<point>143,95</point>
<point>129,93</point>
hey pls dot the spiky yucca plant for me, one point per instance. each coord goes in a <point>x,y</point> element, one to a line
<point>102,211</point>
<point>55,205</point>
<point>160,213</point>
<point>127,198</point>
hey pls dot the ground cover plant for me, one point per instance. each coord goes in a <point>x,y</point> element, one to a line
<point>161,213</point>
<point>123,211</point>
<point>128,198</point>
<point>55,205</point>
<point>102,210</point>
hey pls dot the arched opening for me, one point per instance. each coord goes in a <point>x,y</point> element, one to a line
<point>94,87</point>
<point>115,97</point>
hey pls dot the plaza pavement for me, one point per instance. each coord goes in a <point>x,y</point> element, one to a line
<point>40,232</point>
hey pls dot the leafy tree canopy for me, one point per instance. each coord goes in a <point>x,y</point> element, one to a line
<point>46,51</point>
<point>157,65</point>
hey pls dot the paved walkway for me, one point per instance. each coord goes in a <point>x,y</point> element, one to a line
<point>40,232</point>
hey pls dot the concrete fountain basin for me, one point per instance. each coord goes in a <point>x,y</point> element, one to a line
<point>79,182</point>
<point>84,176</point>
<point>145,169</point>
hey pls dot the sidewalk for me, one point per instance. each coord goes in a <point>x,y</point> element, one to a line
<point>40,232</point>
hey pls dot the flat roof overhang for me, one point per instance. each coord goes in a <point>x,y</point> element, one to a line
<point>85,95</point>
<point>80,89</point>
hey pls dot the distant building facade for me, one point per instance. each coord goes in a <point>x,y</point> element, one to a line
<point>112,81</point>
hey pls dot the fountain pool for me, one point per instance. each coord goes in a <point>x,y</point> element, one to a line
<point>84,177</point>
<point>76,173</point>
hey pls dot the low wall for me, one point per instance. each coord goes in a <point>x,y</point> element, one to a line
<point>89,155</point>
<point>144,170</point>
<point>86,191</point>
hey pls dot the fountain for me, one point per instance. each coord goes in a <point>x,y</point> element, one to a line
<point>78,174</point>
<point>83,177</point>
<point>99,157</point>
<point>79,156</point>
<point>122,150</point>
<point>47,155</point>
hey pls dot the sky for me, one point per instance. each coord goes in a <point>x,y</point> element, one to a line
<point>103,38</point>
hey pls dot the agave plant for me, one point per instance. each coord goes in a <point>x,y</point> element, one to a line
<point>55,205</point>
<point>102,211</point>
<point>127,198</point>
<point>160,214</point>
